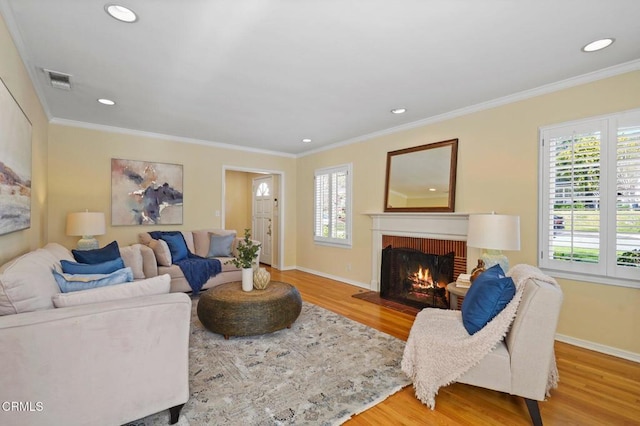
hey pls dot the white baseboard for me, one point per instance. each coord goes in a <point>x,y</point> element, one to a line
<point>620,353</point>
<point>334,277</point>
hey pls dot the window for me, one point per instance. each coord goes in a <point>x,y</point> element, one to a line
<point>263,190</point>
<point>332,213</point>
<point>590,199</point>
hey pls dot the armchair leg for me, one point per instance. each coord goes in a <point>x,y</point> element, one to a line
<point>174,414</point>
<point>534,411</point>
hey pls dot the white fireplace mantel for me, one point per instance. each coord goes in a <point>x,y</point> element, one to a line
<point>440,226</point>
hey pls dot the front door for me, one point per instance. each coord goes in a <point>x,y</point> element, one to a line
<point>263,216</point>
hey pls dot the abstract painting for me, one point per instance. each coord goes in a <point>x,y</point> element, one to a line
<point>145,193</point>
<point>15,165</point>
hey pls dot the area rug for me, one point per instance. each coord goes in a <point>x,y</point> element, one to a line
<point>323,370</point>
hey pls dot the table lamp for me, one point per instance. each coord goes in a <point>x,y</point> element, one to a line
<point>86,224</point>
<point>493,233</point>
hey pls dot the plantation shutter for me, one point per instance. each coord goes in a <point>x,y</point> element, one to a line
<point>590,199</point>
<point>332,216</point>
<point>573,196</point>
<point>627,219</point>
<point>322,205</point>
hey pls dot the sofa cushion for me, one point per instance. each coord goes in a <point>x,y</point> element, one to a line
<point>487,296</point>
<point>27,284</point>
<point>220,245</point>
<point>202,239</point>
<point>201,242</point>
<point>89,268</point>
<point>78,282</point>
<point>161,251</point>
<point>108,252</point>
<point>173,271</point>
<point>177,246</point>
<point>188,239</point>
<point>148,287</point>
<point>132,258</point>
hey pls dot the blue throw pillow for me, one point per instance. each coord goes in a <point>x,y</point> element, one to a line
<point>177,247</point>
<point>487,296</point>
<point>107,267</point>
<point>220,245</point>
<point>109,252</point>
<point>77,282</point>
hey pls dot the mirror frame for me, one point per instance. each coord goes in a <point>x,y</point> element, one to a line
<point>450,207</point>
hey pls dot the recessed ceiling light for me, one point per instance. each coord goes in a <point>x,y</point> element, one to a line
<point>432,189</point>
<point>121,13</point>
<point>598,44</point>
<point>306,140</point>
<point>399,110</point>
<point>105,101</point>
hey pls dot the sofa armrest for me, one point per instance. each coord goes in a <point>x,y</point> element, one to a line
<point>103,363</point>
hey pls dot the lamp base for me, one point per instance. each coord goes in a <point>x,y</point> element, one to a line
<point>88,242</point>
<point>495,257</point>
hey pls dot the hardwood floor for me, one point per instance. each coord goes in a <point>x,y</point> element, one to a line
<point>594,389</point>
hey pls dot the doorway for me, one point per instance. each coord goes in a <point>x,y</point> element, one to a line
<point>254,199</point>
<point>262,207</point>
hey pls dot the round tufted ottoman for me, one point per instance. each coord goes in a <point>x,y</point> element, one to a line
<point>227,310</point>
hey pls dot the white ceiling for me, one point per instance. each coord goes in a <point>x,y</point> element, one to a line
<point>264,74</point>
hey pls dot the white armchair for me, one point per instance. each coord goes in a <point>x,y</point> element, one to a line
<point>520,364</point>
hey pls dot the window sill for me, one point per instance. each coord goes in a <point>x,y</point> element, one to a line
<point>596,279</point>
<point>346,245</point>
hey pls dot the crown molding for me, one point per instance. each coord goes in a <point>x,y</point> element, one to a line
<point>140,133</point>
<point>505,100</point>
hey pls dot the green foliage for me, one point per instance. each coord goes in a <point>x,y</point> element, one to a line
<point>247,251</point>
<point>630,258</point>
<point>578,254</point>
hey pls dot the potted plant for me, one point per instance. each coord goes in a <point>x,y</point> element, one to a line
<point>247,251</point>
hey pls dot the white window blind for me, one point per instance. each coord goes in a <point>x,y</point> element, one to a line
<point>332,213</point>
<point>627,219</point>
<point>589,199</point>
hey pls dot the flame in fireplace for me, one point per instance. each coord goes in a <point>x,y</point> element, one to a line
<point>422,278</point>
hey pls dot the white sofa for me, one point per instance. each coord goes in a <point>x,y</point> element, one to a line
<point>99,362</point>
<point>198,242</point>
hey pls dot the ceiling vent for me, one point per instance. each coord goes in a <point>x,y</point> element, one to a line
<point>59,80</point>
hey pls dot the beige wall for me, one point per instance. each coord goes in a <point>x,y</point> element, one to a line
<point>16,78</point>
<point>237,201</point>
<point>497,164</point>
<point>497,171</point>
<point>84,182</point>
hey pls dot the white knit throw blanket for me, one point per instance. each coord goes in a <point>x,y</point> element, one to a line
<point>439,349</point>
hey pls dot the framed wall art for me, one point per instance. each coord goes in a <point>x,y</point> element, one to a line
<point>145,193</point>
<point>15,165</point>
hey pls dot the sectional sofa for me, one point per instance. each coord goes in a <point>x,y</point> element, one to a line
<point>214,243</point>
<point>107,356</point>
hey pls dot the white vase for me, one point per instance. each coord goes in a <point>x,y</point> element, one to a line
<point>247,279</point>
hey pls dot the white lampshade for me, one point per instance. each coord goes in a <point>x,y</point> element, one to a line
<point>494,231</point>
<point>86,224</point>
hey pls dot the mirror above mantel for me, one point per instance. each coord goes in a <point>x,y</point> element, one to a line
<point>422,178</point>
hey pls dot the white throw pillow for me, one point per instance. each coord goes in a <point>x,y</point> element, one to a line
<point>162,252</point>
<point>133,259</point>
<point>149,287</point>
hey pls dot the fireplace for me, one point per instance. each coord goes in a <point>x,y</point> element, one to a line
<point>416,278</point>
